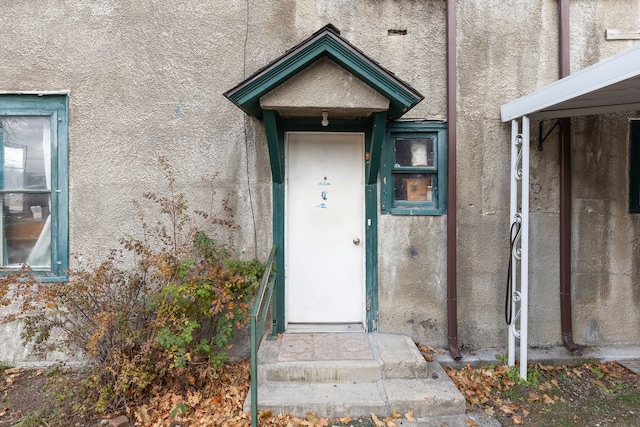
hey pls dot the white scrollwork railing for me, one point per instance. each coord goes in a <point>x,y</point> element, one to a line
<point>518,287</point>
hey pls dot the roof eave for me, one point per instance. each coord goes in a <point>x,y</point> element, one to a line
<point>618,68</point>
<point>326,42</point>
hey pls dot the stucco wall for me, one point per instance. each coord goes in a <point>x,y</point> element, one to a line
<point>515,55</point>
<point>146,79</point>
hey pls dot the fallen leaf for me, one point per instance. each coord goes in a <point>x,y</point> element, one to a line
<point>548,400</point>
<point>193,399</point>
<point>506,409</point>
<point>395,414</point>
<point>265,414</point>
<point>517,420</point>
<point>346,420</point>
<point>142,414</point>
<point>471,423</point>
<point>376,421</point>
<point>312,418</point>
<point>489,411</point>
<point>427,349</point>
<point>409,416</point>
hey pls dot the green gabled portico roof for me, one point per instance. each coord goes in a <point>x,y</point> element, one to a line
<point>326,42</point>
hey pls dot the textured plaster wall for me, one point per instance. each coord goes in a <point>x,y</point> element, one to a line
<point>515,55</point>
<point>605,235</point>
<point>497,63</point>
<point>607,289</point>
<point>146,79</point>
<point>520,53</point>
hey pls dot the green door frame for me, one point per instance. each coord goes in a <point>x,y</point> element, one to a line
<point>326,43</point>
<point>374,131</point>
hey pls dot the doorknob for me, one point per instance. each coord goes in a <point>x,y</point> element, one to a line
<point>356,241</point>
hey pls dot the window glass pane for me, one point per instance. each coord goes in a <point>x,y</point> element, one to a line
<point>413,187</point>
<point>26,190</point>
<point>414,152</point>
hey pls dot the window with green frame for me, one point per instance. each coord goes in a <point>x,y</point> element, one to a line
<point>634,166</point>
<point>34,184</point>
<point>413,168</point>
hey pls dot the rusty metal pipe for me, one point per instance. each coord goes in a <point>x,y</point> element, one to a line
<point>565,192</point>
<point>452,71</point>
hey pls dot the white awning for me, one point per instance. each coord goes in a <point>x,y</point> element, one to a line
<point>612,85</point>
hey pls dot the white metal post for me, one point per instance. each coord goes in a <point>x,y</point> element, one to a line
<point>513,218</point>
<point>519,243</point>
<point>524,246</point>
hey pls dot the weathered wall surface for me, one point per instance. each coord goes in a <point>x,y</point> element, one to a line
<point>146,79</point>
<point>606,291</point>
<point>497,63</point>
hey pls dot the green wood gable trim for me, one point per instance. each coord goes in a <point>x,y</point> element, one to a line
<point>379,121</point>
<point>326,42</point>
<point>275,152</point>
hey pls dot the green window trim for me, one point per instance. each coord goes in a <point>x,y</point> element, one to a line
<point>425,183</point>
<point>55,108</point>
<point>634,166</point>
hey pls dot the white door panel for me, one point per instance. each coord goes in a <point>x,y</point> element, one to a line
<point>324,266</point>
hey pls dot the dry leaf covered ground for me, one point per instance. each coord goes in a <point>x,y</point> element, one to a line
<point>24,402</point>
<point>591,394</point>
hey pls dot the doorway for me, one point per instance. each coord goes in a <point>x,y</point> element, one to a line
<point>324,228</point>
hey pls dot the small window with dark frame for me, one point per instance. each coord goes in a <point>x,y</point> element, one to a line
<point>634,166</point>
<point>413,168</point>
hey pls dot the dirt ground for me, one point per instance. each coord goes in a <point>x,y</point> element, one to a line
<point>590,394</point>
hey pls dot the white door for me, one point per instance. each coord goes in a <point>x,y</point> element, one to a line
<point>324,226</point>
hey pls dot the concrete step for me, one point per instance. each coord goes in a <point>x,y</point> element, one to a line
<point>343,371</point>
<point>399,356</point>
<point>380,356</point>
<point>431,397</point>
<point>323,399</point>
<point>352,375</point>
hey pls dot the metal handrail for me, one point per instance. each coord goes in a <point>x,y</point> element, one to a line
<point>258,317</point>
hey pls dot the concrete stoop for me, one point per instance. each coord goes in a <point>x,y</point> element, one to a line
<point>386,372</point>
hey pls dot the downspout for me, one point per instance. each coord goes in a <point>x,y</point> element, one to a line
<point>452,72</point>
<point>565,192</point>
